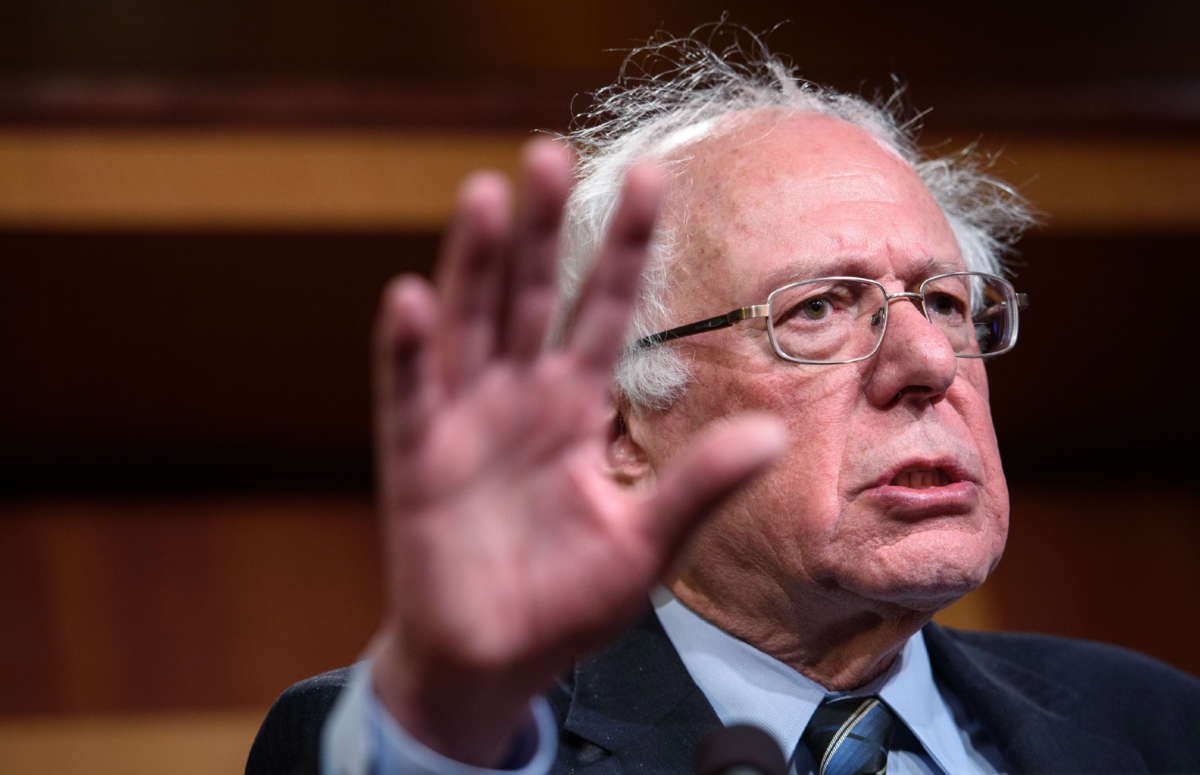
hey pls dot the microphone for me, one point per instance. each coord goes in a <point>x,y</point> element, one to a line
<point>741,749</point>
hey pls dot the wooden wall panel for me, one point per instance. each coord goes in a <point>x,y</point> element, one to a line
<point>538,40</point>
<point>195,362</point>
<point>128,744</point>
<point>1112,562</point>
<point>138,605</point>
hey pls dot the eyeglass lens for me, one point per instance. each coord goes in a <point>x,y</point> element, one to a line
<point>842,319</point>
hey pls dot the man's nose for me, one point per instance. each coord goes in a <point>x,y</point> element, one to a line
<point>915,358</point>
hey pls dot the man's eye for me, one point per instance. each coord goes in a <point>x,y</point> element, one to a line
<point>942,304</point>
<point>816,308</point>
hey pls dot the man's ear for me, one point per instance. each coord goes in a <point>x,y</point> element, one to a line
<point>625,456</point>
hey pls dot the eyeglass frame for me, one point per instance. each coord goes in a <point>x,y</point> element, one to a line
<point>1020,301</point>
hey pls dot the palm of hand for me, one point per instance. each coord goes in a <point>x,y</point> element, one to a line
<point>516,545</point>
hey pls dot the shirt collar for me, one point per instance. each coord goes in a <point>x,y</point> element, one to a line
<point>745,685</point>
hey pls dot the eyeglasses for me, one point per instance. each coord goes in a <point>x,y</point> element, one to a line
<point>834,320</point>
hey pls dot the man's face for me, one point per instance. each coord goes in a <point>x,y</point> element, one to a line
<point>892,491</point>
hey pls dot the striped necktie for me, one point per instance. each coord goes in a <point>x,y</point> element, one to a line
<point>849,736</point>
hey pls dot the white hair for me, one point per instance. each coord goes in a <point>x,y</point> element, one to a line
<point>675,92</point>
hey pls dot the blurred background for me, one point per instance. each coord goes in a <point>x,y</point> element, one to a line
<point>200,201</point>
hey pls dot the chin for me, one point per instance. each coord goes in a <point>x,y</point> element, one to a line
<point>930,577</point>
<point>927,596</point>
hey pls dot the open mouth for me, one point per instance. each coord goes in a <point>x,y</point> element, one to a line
<point>921,478</point>
<point>923,488</point>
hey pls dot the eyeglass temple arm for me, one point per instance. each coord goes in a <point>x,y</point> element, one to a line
<point>700,326</point>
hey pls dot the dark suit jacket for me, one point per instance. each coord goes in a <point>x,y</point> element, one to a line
<point>1051,705</point>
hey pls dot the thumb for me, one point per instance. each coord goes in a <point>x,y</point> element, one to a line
<point>724,457</point>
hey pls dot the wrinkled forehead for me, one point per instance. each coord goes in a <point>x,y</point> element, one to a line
<point>777,194</point>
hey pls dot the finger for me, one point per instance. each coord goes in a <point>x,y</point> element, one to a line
<point>547,182</point>
<point>404,386</point>
<point>604,307</point>
<point>471,279</point>
<point>726,456</point>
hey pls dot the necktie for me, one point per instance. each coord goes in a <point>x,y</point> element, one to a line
<point>849,736</point>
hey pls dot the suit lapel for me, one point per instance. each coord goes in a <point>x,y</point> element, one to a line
<point>636,700</point>
<point>1029,715</point>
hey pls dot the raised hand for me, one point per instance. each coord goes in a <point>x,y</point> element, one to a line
<point>508,548</point>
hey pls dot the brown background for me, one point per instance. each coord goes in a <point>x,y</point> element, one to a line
<point>200,201</point>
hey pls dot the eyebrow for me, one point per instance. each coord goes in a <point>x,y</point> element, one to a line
<point>848,266</point>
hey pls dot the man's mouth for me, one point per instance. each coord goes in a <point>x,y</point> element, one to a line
<point>927,488</point>
<point>921,478</point>
<point>925,474</point>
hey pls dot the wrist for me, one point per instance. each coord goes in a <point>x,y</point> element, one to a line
<point>472,719</point>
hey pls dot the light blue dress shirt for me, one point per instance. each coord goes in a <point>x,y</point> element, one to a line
<point>742,684</point>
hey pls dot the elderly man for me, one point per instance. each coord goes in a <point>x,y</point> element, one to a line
<point>795,462</point>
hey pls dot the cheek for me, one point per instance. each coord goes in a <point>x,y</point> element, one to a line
<point>815,406</point>
<point>974,373</point>
<point>796,504</point>
<point>969,397</point>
